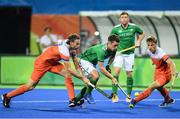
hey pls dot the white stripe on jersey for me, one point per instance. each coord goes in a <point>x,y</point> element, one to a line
<point>158,54</point>
<point>63,48</point>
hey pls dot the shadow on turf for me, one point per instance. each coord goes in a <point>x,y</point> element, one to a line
<point>118,111</point>
<point>171,109</point>
<point>86,110</point>
<point>146,105</point>
<point>66,110</point>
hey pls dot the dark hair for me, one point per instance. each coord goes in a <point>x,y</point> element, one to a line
<point>113,38</point>
<point>72,38</point>
<point>47,28</point>
<point>124,13</point>
<point>151,39</point>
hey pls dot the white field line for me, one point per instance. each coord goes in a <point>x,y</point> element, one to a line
<point>62,101</point>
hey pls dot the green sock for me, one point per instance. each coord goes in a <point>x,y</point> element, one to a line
<point>129,85</point>
<point>81,94</point>
<point>89,89</point>
<point>114,87</point>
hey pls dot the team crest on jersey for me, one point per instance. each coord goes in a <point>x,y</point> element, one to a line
<point>126,34</point>
<point>120,31</point>
<point>131,30</point>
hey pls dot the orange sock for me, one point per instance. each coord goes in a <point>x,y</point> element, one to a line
<point>165,93</point>
<point>70,87</point>
<point>143,95</point>
<point>22,89</point>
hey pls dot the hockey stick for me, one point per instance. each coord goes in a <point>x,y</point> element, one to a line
<point>100,91</point>
<point>118,85</point>
<point>124,50</point>
<point>96,88</point>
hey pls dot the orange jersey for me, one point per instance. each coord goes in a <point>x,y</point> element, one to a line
<point>159,59</point>
<point>49,60</point>
<point>55,53</point>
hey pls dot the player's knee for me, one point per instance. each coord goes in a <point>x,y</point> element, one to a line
<point>67,75</point>
<point>117,72</point>
<point>152,87</point>
<point>95,77</point>
<point>155,85</point>
<point>29,87</point>
<point>64,72</point>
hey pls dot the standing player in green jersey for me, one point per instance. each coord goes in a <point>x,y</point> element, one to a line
<point>93,56</point>
<point>127,33</point>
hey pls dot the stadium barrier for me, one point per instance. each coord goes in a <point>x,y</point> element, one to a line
<point>17,70</point>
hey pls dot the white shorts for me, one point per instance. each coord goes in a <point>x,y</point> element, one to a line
<point>126,59</point>
<point>86,66</point>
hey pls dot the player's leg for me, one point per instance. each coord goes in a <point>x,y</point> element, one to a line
<point>167,99</point>
<point>19,91</point>
<point>88,68</point>
<point>35,77</point>
<point>128,65</point>
<point>70,88</point>
<point>88,95</point>
<point>129,84</point>
<point>59,69</point>
<point>78,99</point>
<point>115,97</point>
<point>69,84</point>
<point>164,92</point>
<point>144,94</point>
<point>118,62</point>
<point>163,80</point>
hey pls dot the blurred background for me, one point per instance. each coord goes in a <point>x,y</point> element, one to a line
<point>24,24</point>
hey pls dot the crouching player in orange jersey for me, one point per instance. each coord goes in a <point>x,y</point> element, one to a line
<point>49,61</point>
<point>165,69</point>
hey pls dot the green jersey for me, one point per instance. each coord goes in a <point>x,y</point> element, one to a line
<point>97,53</point>
<point>127,36</point>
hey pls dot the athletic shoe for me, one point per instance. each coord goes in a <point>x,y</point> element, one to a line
<point>5,101</point>
<point>89,98</point>
<point>132,103</point>
<point>80,102</point>
<point>72,103</point>
<point>115,98</point>
<point>166,103</point>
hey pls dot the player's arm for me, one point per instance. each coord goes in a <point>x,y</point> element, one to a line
<point>140,36</point>
<point>74,73</point>
<point>172,66</point>
<point>110,61</point>
<point>105,72</point>
<point>75,61</point>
